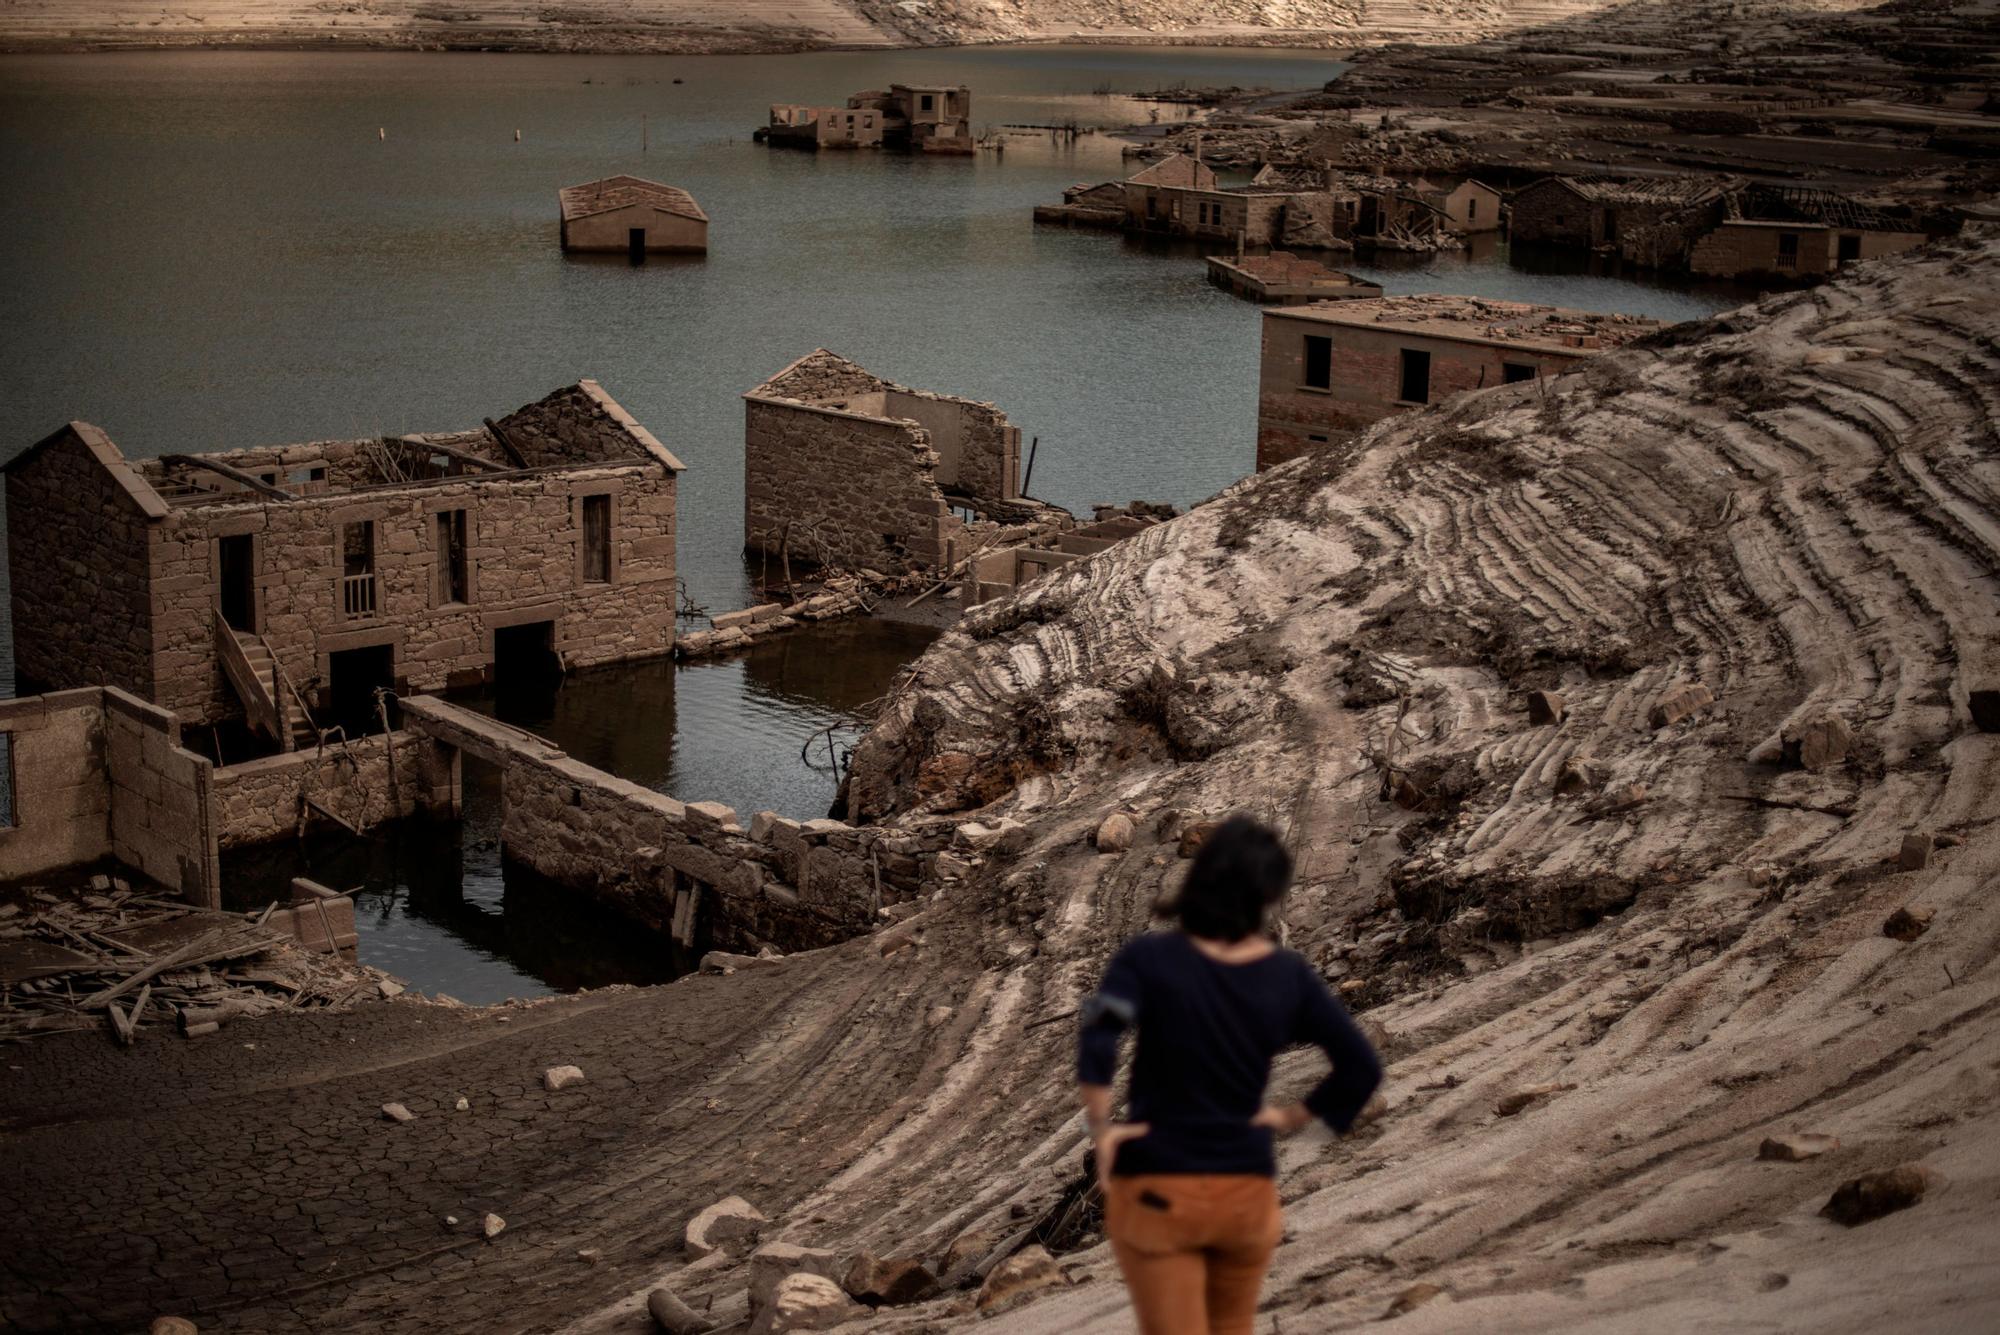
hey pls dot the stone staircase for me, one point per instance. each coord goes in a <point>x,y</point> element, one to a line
<point>253,673</point>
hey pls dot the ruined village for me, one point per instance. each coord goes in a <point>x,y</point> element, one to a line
<point>602,649</point>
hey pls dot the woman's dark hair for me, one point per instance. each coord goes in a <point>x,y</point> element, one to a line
<point>1240,872</point>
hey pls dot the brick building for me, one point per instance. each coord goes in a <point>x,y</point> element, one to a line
<point>631,214</point>
<point>1334,369</point>
<point>1787,232</point>
<point>1651,221</point>
<point>844,468</point>
<point>281,586</point>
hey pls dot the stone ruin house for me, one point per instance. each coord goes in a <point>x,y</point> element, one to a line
<point>1790,232</point>
<point>1333,369</point>
<point>631,215</point>
<point>928,118</point>
<point>998,573</point>
<point>843,468</point>
<point>1649,221</point>
<point>280,587</point>
<point>1468,206</point>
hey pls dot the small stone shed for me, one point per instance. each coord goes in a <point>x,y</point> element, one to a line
<point>842,467</point>
<point>280,587</point>
<point>1790,232</point>
<point>625,214</point>
<point>1652,221</point>
<point>1335,368</point>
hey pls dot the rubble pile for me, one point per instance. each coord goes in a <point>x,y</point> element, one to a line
<point>112,958</point>
<point>837,596</point>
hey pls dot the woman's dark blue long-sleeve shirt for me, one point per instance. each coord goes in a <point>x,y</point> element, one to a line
<point>1207,1034</point>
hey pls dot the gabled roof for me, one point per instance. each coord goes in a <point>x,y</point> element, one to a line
<point>1658,191</point>
<point>1179,171</point>
<point>108,456</point>
<point>617,192</point>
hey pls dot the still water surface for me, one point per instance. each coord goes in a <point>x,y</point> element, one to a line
<point>213,250</point>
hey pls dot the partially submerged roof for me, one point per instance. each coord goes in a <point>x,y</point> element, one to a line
<point>1479,320</point>
<point>1179,171</point>
<point>617,192</point>
<point>1657,191</point>
<point>1795,204</point>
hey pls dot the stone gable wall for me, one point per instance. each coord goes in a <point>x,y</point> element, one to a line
<point>76,551</point>
<point>568,426</point>
<point>161,810</point>
<point>524,536</point>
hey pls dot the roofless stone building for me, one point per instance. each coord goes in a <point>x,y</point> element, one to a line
<point>282,586</point>
<point>631,215</point>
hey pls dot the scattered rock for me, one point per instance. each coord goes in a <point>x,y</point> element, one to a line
<point>389,987</point>
<point>673,1316</point>
<point>1873,1195</point>
<point>1021,1275</point>
<point>1798,1148</point>
<point>492,1226</point>
<point>463,1105</point>
<point>1526,1095</point>
<point>1679,702</point>
<point>1985,706</point>
<point>1194,835</point>
<point>589,1255</point>
<point>726,962</point>
<point>1907,923</point>
<point>1577,777</point>
<point>889,1282</point>
<point>1114,835</point>
<point>561,1077</point>
<point>1544,707</point>
<point>774,1262</point>
<point>806,1302</point>
<point>1819,742</point>
<point>1916,851</point>
<point>396,1112</point>
<point>1624,797</point>
<point>172,1325</point>
<point>1410,1299</point>
<point>723,1225</point>
<point>967,1249</point>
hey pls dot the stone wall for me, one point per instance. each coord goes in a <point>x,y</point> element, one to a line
<point>524,563</point>
<point>577,424</point>
<point>76,540</point>
<point>101,774</point>
<point>1549,211</point>
<point>842,488</point>
<point>1746,249</point>
<point>262,800</point>
<point>790,884</point>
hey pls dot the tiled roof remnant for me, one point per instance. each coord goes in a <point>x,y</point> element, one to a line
<point>1659,191</point>
<point>1482,320</point>
<point>616,192</point>
<point>1789,203</point>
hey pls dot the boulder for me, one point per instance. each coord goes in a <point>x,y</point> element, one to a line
<point>968,1249</point>
<point>729,1224</point>
<point>1022,1275</point>
<point>675,1317</point>
<point>561,1077</point>
<point>773,1262</point>
<point>1545,707</point>
<point>1797,1148</point>
<point>1114,833</point>
<point>1818,742</point>
<point>1576,777</point>
<point>1195,834</point>
<point>889,1281</point>
<point>805,1302</point>
<point>1907,923</point>
<point>1873,1195</point>
<point>1410,1299</point>
<point>727,620</point>
<point>396,1112</point>
<point>1678,703</point>
<point>1916,852</point>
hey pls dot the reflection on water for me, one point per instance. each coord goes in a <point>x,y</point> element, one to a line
<point>439,906</point>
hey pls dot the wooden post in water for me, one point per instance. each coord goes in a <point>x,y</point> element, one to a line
<point>642,132</point>
<point>381,132</point>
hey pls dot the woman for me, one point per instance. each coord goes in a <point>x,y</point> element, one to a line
<point>1191,1196</point>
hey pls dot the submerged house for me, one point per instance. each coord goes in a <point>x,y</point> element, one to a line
<point>1468,206</point>
<point>928,118</point>
<point>843,468</point>
<point>281,587</point>
<point>1790,232</point>
<point>631,215</point>
<point>1335,368</point>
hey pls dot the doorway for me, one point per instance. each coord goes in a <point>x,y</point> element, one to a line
<point>635,244</point>
<point>1849,249</point>
<point>236,581</point>
<point>352,678</point>
<point>526,671</point>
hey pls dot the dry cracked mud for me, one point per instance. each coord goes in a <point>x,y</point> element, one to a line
<point>1795,505</point>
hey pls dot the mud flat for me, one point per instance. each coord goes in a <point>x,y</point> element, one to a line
<point>1740,891</point>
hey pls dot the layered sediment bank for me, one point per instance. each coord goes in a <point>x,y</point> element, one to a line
<point>1633,729</point>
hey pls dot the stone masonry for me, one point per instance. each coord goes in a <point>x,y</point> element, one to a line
<point>265,799</point>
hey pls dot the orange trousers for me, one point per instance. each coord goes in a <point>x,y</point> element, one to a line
<point>1194,1248</point>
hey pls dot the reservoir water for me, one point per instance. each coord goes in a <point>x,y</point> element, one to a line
<point>218,249</point>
